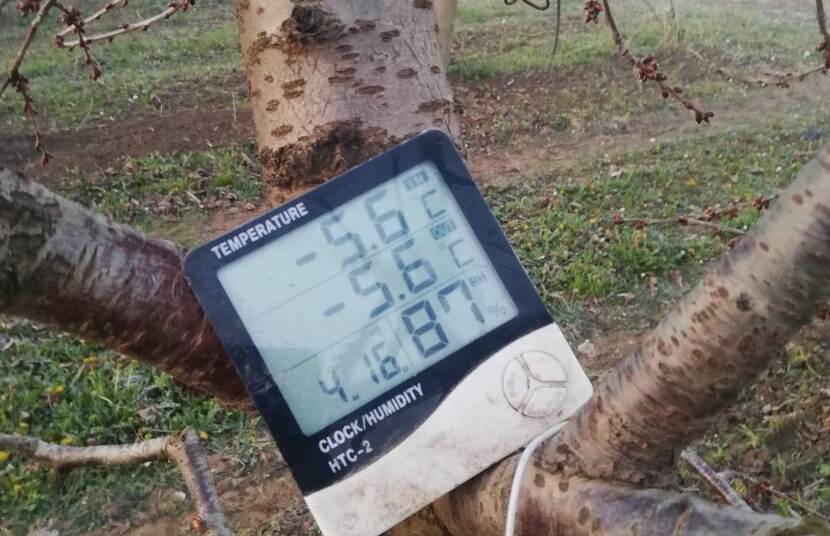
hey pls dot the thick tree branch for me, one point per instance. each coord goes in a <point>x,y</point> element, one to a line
<point>184,449</point>
<point>557,505</point>
<point>711,346</point>
<point>662,397</point>
<point>66,266</point>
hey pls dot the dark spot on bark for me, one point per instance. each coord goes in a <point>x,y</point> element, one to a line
<point>747,345</point>
<point>763,245</point>
<point>744,302</point>
<point>797,199</point>
<point>370,90</point>
<point>663,348</point>
<point>269,78</point>
<point>407,73</point>
<point>272,105</point>
<point>281,131</point>
<point>312,23</point>
<point>697,353</point>
<point>330,150</point>
<point>343,48</point>
<point>256,93</point>
<point>363,25</point>
<point>435,69</point>
<point>343,75</point>
<point>584,514</point>
<point>434,105</point>
<point>260,10</point>
<point>674,341</point>
<point>422,4</point>
<point>723,292</point>
<point>595,525</point>
<point>389,34</point>
<point>533,518</point>
<point>539,480</point>
<point>438,121</point>
<point>380,69</point>
<point>662,366</point>
<point>808,193</point>
<point>350,56</point>
<point>293,88</point>
<point>564,484</point>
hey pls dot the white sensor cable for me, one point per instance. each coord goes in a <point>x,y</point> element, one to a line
<point>518,476</point>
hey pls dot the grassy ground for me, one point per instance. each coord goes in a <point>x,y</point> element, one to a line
<point>192,52</point>
<point>598,278</point>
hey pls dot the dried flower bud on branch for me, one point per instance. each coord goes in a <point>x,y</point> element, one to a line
<point>73,20</point>
<point>142,25</point>
<point>648,67</point>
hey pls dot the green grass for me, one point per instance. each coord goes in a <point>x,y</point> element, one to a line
<point>506,41</point>
<point>563,228</point>
<point>143,72</point>
<point>62,390</point>
<point>154,191</point>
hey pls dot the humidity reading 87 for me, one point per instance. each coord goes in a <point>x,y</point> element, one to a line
<point>365,297</point>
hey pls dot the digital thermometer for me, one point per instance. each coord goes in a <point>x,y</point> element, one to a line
<point>388,335</point>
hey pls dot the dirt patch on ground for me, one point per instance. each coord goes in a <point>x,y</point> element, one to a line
<point>92,150</point>
<point>511,127</point>
<point>263,498</point>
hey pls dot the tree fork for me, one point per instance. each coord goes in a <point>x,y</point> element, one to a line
<point>64,265</point>
<point>335,82</point>
<point>718,339</point>
<point>555,504</point>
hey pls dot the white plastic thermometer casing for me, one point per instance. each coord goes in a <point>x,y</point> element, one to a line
<point>518,393</point>
<point>388,335</point>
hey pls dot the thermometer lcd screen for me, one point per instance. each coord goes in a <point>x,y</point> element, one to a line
<point>365,297</point>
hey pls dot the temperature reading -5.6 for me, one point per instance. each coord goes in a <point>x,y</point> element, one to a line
<point>393,281</point>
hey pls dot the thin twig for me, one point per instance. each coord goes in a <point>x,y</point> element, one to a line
<point>184,449</point>
<point>72,18</point>
<point>643,222</point>
<point>14,71</point>
<point>97,15</point>
<point>781,495</point>
<point>714,479</point>
<point>650,70</point>
<point>558,26</point>
<point>821,17</point>
<point>143,25</point>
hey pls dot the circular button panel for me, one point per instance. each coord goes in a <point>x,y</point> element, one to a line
<point>535,384</point>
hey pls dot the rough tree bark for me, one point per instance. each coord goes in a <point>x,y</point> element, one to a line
<point>66,266</point>
<point>334,82</point>
<point>720,337</point>
<point>445,11</point>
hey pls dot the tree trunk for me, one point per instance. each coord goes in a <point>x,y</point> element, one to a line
<point>445,11</point>
<point>334,82</point>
